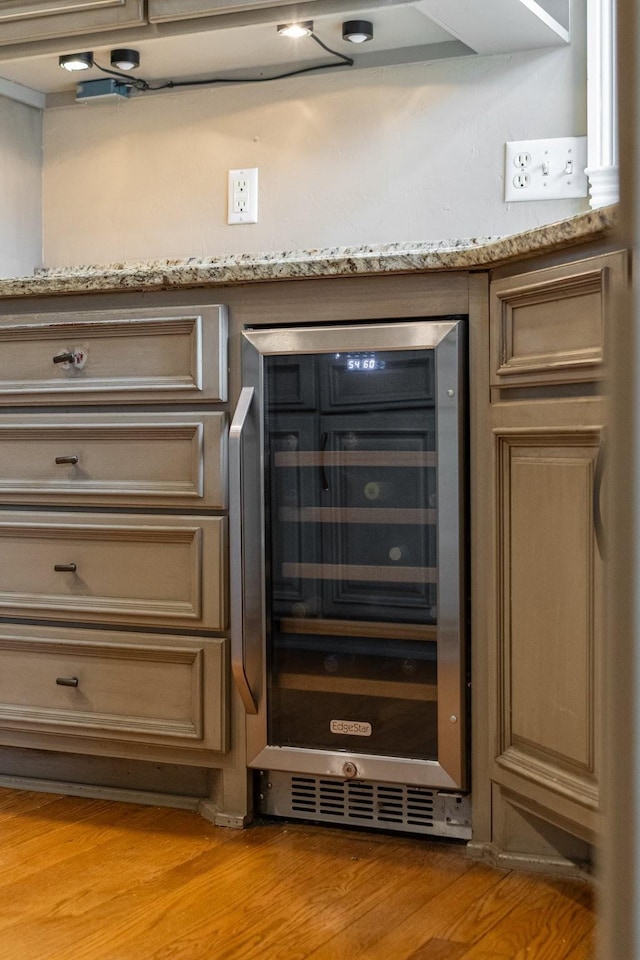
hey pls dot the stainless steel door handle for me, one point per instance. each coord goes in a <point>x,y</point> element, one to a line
<point>237,550</point>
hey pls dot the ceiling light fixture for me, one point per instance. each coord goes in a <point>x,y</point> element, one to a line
<point>303,28</point>
<point>76,61</point>
<point>125,59</point>
<point>357,31</point>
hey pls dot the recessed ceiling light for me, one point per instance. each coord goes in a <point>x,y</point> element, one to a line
<point>125,59</point>
<point>357,31</point>
<point>76,61</point>
<point>303,28</point>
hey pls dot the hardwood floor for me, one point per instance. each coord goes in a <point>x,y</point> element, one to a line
<point>84,879</point>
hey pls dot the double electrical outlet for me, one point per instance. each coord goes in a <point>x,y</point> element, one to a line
<point>545,169</point>
<point>243,196</point>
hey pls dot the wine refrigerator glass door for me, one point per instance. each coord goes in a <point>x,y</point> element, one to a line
<point>363,627</point>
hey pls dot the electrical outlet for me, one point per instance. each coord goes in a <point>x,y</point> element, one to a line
<point>243,196</point>
<point>545,169</point>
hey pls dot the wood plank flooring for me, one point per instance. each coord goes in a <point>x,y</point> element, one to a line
<point>84,879</point>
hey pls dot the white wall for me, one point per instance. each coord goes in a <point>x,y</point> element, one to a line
<point>20,188</point>
<point>399,153</point>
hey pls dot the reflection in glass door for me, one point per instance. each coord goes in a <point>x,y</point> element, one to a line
<point>352,506</point>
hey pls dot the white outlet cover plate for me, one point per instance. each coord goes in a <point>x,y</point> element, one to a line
<point>248,177</point>
<point>564,159</point>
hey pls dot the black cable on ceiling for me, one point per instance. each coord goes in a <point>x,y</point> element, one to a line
<point>138,83</point>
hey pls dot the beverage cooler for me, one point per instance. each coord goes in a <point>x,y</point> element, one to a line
<point>348,560</point>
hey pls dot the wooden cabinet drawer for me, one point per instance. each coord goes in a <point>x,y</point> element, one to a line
<point>154,459</point>
<point>135,356</point>
<point>136,569</point>
<point>133,687</point>
<point>547,326</point>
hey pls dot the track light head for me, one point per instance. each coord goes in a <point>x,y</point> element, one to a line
<point>357,31</point>
<point>302,28</point>
<point>123,59</point>
<point>76,61</point>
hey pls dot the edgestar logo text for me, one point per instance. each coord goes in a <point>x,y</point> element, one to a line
<point>353,728</point>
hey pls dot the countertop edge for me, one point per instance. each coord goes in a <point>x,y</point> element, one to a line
<point>397,258</point>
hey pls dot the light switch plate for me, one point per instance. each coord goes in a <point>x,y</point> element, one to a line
<point>545,169</point>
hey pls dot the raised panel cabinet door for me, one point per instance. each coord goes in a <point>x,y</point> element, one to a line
<point>125,356</point>
<point>117,568</point>
<point>116,686</point>
<point>23,21</point>
<point>549,571</point>
<point>547,326</point>
<point>154,459</point>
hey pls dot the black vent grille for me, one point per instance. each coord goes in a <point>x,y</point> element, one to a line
<point>351,801</point>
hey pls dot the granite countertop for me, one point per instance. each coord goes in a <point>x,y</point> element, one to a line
<point>394,258</point>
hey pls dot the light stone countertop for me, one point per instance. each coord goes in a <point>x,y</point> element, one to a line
<point>394,258</point>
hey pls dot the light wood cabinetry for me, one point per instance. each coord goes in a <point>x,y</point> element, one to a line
<point>146,688</point>
<point>114,356</point>
<point>146,459</point>
<point>160,570</point>
<point>549,610</point>
<point>141,441</point>
<point>114,460</point>
<point>548,327</point>
<point>25,21</point>
<point>163,10</point>
<point>546,421</point>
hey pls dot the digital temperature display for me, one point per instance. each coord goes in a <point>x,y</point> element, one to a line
<point>363,361</point>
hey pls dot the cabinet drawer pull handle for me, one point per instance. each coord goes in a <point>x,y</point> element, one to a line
<point>66,459</point>
<point>67,681</point>
<point>65,358</point>
<point>65,568</point>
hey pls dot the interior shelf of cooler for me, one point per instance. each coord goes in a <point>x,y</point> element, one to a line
<point>394,515</point>
<point>364,515</point>
<point>359,571</point>
<point>358,686</point>
<point>302,666</point>
<point>356,458</point>
<point>379,629</point>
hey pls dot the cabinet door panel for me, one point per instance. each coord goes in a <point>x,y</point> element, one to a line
<point>549,572</point>
<point>27,20</point>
